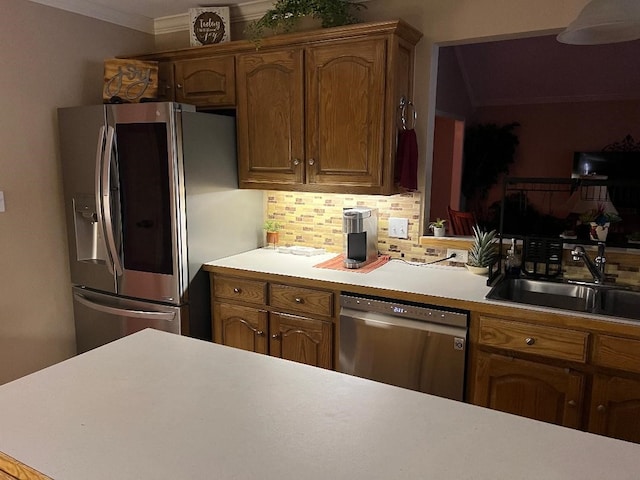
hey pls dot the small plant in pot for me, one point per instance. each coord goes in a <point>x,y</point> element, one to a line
<point>272,228</point>
<point>438,227</point>
<point>483,252</point>
<point>285,15</point>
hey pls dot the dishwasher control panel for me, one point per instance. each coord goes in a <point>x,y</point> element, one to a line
<point>425,313</point>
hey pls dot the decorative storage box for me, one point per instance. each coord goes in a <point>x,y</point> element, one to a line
<point>209,25</point>
<point>129,81</point>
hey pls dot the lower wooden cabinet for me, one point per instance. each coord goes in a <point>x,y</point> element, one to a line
<point>274,319</point>
<point>615,407</point>
<point>529,389</point>
<point>300,339</point>
<point>241,327</point>
<point>575,377</point>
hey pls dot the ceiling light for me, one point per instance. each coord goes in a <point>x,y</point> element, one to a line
<point>604,21</point>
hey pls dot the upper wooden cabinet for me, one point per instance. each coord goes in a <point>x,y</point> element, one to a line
<point>322,117</point>
<point>316,110</point>
<point>204,82</point>
<point>313,118</point>
<point>270,118</point>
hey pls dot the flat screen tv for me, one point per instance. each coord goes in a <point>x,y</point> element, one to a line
<point>623,166</point>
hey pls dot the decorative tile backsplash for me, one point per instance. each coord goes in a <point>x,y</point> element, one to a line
<point>315,220</point>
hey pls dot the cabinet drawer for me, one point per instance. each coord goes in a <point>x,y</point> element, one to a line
<point>249,291</point>
<point>550,342</point>
<point>301,300</point>
<point>616,352</point>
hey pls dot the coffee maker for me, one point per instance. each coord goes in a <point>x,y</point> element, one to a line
<point>360,228</point>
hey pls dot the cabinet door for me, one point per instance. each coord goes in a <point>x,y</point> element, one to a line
<point>301,339</point>
<point>615,408</point>
<point>270,118</point>
<point>345,109</point>
<point>206,81</point>
<point>240,327</point>
<point>529,389</point>
<point>166,92</point>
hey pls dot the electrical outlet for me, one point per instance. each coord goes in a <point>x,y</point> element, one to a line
<point>398,227</point>
<point>462,256</point>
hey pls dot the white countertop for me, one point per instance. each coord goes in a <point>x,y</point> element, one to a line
<point>437,279</point>
<point>155,405</point>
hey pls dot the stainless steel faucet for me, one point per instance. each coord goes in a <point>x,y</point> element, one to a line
<point>595,266</point>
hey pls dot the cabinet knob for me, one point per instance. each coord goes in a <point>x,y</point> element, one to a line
<point>311,161</point>
<point>572,403</point>
<point>179,85</point>
<point>529,340</point>
<point>296,162</point>
<point>601,408</point>
<point>299,300</point>
<point>168,87</point>
<point>276,336</point>
<point>237,290</point>
<point>260,333</point>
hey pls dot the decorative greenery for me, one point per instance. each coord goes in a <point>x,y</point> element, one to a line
<point>284,15</point>
<point>488,151</point>
<point>271,226</point>
<point>439,223</point>
<point>599,216</point>
<point>484,251</point>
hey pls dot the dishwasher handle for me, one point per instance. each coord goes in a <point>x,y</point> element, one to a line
<point>381,320</point>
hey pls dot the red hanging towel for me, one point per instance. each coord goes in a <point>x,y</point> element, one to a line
<point>406,172</point>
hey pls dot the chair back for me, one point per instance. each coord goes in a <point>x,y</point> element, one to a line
<point>462,223</point>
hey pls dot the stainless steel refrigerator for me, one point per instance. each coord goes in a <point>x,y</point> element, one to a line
<point>150,195</point>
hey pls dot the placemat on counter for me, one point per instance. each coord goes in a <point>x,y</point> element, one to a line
<point>337,263</point>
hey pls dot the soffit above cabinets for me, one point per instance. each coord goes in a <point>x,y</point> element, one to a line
<point>157,16</point>
<point>542,70</point>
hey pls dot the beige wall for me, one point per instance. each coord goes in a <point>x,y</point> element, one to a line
<point>49,58</point>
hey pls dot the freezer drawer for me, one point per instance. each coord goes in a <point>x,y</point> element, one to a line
<point>102,318</point>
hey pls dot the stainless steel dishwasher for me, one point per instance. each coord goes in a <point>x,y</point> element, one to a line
<point>414,346</point>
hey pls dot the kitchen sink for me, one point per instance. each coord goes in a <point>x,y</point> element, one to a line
<point>577,297</point>
<point>580,298</point>
<point>620,303</point>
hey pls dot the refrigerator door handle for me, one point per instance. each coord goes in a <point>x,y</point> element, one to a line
<point>98,189</point>
<point>105,200</point>
<point>169,316</point>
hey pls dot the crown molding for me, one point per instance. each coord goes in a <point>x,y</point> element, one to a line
<point>242,12</point>
<point>100,12</point>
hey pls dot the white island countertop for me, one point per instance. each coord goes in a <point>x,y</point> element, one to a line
<point>157,406</point>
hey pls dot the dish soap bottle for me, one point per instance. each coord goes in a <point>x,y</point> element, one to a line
<point>513,261</point>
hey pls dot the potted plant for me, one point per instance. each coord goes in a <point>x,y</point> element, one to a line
<point>438,227</point>
<point>483,252</point>
<point>286,14</point>
<point>599,220</point>
<point>272,228</point>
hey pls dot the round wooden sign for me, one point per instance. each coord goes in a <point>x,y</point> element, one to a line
<point>208,28</point>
